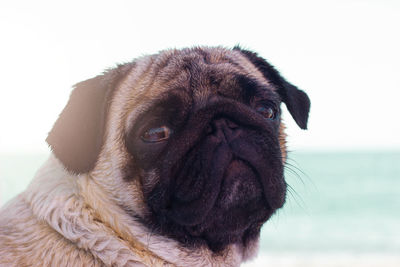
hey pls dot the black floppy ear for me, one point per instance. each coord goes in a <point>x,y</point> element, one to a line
<point>77,136</point>
<point>296,100</point>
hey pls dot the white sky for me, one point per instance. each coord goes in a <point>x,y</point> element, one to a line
<point>344,54</point>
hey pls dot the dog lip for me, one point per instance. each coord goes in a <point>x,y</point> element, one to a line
<point>179,211</point>
<point>241,184</point>
<point>270,185</point>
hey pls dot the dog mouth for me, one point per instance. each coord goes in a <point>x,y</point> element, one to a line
<point>239,203</point>
<point>230,207</point>
<point>240,184</point>
<point>218,195</point>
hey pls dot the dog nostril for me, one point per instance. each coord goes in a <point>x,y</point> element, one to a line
<point>231,124</point>
<point>221,123</point>
<point>224,127</point>
<point>209,129</point>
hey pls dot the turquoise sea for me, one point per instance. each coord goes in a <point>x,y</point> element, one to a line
<point>342,209</point>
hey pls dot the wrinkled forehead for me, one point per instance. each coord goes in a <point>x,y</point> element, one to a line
<point>204,72</point>
<point>197,73</point>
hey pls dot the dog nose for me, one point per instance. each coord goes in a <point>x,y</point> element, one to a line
<point>225,128</point>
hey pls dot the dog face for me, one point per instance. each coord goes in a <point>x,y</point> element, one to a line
<point>188,142</point>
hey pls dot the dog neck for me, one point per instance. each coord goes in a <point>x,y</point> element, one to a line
<point>79,209</point>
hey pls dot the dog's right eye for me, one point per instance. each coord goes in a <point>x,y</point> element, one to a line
<point>157,134</point>
<point>268,112</point>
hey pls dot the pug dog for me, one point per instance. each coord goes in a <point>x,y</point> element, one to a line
<point>174,159</point>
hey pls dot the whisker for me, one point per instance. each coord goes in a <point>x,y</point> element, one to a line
<point>297,198</point>
<point>294,172</point>
<point>293,166</point>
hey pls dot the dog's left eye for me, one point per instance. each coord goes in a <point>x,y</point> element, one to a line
<point>157,134</point>
<point>267,112</point>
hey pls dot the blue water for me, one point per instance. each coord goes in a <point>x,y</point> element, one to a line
<point>338,201</point>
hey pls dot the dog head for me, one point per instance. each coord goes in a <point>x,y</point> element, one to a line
<point>188,142</point>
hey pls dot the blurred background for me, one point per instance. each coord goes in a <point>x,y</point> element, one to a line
<point>343,206</point>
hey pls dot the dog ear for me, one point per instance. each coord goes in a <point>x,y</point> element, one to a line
<point>296,100</point>
<point>77,136</point>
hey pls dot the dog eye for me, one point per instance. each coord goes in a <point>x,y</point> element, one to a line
<point>267,112</point>
<point>157,134</point>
